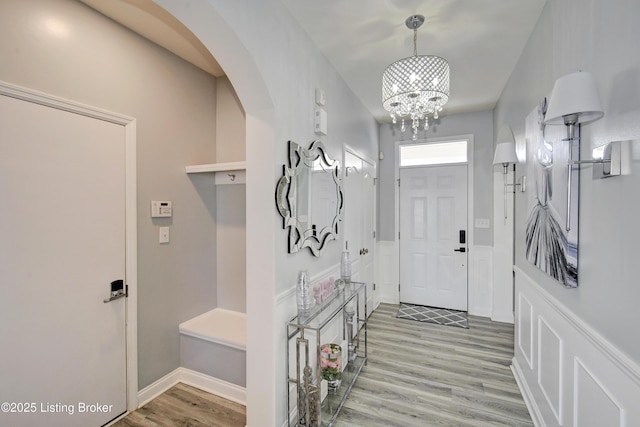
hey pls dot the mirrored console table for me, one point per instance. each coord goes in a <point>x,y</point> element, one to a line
<point>341,319</point>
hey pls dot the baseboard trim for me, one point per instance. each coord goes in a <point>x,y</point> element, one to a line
<point>212,385</point>
<point>155,389</point>
<point>503,317</point>
<point>527,396</point>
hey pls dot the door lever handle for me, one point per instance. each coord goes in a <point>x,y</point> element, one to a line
<point>115,295</point>
<point>461,250</point>
<point>117,291</point>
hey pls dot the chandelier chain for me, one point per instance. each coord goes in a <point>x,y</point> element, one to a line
<point>415,42</point>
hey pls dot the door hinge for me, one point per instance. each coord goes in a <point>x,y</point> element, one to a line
<point>375,180</point>
<point>374,286</point>
<point>398,182</point>
<point>398,287</point>
<point>398,235</point>
<point>346,245</point>
<point>374,234</point>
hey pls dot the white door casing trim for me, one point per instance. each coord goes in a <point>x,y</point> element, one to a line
<point>376,295</point>
<point>131,251</point>
<point>470,211</point>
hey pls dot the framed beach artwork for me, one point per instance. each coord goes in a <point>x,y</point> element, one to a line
<point>551,235</point>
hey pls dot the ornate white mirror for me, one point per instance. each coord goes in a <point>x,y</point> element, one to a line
<point>309,197</point>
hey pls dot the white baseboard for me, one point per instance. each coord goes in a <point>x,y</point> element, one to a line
<point>527,396</point>
<point>195,379</point>
<point>505,317</point>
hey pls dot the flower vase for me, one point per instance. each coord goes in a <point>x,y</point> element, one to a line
<point>331,365</point>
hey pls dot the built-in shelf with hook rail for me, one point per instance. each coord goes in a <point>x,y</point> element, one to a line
<point>225,173</point>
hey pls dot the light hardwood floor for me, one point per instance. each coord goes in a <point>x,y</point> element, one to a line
<point>419,374</point>
<point>183,405</point>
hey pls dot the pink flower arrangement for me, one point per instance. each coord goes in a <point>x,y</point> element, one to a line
<point>322,290</point>
<point>331,361</point>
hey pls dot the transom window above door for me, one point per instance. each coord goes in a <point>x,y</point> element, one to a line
<point>433,153</point>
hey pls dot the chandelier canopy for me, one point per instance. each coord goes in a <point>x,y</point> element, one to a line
<point>417,86</point>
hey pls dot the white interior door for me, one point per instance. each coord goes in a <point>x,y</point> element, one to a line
<point>433,217</point>
<point>62,222</point>
<point>359,191</point>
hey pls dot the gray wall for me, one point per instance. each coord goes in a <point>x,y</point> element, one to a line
<point>98,62</point>
<point>600,36</point>
<point>480,125</point>
<point>231,204</point>
<point>275,69</point>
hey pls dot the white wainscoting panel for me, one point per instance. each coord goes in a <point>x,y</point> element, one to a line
<point>481,280</point>
<point>578,378</point>
<point>502,305</point>
<point>594,404</point>
<point>387,275</point>
<point>525,329</point>
<point>550,367</point>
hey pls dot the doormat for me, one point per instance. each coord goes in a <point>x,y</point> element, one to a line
<point>440,316</point>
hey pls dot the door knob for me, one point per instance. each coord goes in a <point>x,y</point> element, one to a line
<point>461,250</point>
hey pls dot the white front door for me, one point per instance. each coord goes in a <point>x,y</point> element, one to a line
<point>433,226</point>
<point>62,228</point>
<point>359,200</point>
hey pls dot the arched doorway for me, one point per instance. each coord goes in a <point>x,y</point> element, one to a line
<point>209,25</point>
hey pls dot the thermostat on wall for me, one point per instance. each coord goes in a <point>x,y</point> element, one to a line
<point>161,209</point>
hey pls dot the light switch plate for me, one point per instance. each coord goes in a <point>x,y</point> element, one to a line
<point>483,223</point>
<point>320,121</point>
<point>164,235</point>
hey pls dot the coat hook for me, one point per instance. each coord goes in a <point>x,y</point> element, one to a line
<point>232,176</point>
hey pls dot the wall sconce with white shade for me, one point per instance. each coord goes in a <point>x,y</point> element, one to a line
<point>506,155</point>
<point>575,100</point>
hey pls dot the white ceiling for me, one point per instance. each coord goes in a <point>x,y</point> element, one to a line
<point>481,39</point>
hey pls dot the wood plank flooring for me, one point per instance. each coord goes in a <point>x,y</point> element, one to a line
<point>419,374</point>
<point>183,405</point>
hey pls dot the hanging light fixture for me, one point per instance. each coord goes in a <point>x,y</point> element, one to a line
<point>417,86</point>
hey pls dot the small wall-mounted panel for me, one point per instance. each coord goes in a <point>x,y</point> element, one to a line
<point>161,209</point>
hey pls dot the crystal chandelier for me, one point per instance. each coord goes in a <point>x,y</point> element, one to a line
<point>417,86</point>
